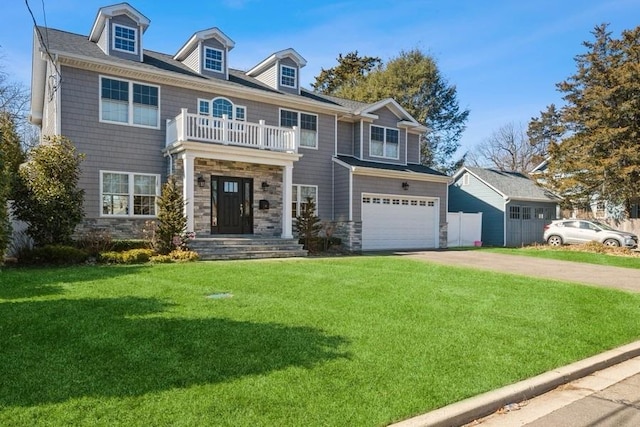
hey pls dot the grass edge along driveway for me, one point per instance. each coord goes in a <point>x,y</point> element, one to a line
<point>356,341</point>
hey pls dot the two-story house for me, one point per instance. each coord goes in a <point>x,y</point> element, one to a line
<point>247,147</point>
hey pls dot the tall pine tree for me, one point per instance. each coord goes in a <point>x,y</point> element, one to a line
<point>415,82</point>
<point>599,156</point>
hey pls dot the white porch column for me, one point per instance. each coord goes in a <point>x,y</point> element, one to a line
<point>287,186</point>
<point>188,165</point>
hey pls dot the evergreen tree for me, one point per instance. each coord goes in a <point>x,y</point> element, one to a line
<point>171,220</point>
<point>349,72</point>
<point>5,226</point>
<point>11,149</point>
<point>415,82</point>
<point>600,153</point>
<point>47,196</point>
<point>308,224</point>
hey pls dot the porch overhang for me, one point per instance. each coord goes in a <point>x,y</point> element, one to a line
<point>232,153</point>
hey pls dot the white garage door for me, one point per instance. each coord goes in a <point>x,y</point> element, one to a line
<point>398,222</point>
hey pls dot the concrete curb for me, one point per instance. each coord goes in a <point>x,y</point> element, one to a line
<point>468,410</point>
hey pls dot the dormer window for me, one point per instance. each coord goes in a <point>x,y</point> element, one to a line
<point>125,38</point>
<point>384,142</point>
<point>288,76</point>
<point>213,59</point>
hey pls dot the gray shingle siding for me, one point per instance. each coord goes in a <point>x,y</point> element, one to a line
<point>314,168</point>
<point>341,192</point>
<point>345,139</point>
<point>193,60</point>
<point>269,76</point>
<point>413,148</point>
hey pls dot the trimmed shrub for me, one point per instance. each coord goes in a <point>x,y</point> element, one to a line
<point>184,256</point>
<point>129,244</point>
<point>132,256</point>
<point>53,255</point>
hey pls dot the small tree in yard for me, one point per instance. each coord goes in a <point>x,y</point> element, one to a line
<point>5,229</point>
<point>171,220</point>
<point>308,224</point>
<point>47,196</point>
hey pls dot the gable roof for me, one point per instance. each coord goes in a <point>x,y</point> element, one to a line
<point>211,33</point>
<point>269,61</point>
<point>510,185</point>
<point>117,9</point>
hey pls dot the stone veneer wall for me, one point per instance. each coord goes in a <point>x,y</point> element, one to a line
<point>118,228</point>
<point>265,222</point>
<point>444,235</point>
<point>351,234</point>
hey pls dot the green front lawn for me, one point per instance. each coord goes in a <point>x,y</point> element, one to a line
<point>571,254</point>
<point>342,342</point>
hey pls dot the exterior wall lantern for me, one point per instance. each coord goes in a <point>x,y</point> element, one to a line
<point>201,181</point>
<point>405,185</point>
<point>265,185</point>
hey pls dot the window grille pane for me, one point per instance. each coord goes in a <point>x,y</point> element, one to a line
<point>203,107</point>
<point>308,122</point>
<point>125,39</point>
<point>213,59</point>
<point>146,95</point>
<point>377,133</point>
<point>288,77</point>
<point>288,118</point>
<point>391,150</point>
<point>222,106</point>
<point>116,90</point>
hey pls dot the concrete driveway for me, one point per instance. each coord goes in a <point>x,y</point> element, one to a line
<point>627,279</point>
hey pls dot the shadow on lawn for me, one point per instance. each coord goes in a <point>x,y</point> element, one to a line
<point>56,350</point>
<point>17,283</point>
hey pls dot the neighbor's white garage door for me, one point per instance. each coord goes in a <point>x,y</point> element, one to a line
<point>398,222</point>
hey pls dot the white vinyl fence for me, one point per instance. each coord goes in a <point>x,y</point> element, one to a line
<point>464,229</point>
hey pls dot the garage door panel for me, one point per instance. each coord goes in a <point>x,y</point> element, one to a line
<point>397,222</point>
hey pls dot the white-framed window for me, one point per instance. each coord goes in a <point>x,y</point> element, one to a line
<point>216,107</point>
<point>299,197</point>
<point>308,124</point>
<point>130,103</point>
<point>384,142</point>
<point>288,76</point>
<point>125,39</point>
<point>213,59</point>
<point>129,194</point>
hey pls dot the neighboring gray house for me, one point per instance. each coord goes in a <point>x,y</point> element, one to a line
<point>514,209</point>
<point>246,147</point>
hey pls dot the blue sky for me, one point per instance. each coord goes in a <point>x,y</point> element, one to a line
<point>504,56</point>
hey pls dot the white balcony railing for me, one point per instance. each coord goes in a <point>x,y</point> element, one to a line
<point>195,127</point>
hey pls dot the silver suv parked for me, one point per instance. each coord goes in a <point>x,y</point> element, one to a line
<point>576,231</point>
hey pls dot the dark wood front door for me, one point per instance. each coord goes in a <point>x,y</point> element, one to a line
<point>231,205</point>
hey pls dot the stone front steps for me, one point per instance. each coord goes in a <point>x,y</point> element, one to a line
<point>245,247</point>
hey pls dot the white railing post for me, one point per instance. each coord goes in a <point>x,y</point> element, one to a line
<point>183,133</point>
<point>225,129</point>
<point>261,134</point>
<point>168,132</point>
<point>296,139</point>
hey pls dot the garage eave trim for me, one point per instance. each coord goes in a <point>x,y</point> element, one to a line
<point>413,176</point>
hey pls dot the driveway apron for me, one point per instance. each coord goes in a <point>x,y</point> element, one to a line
<point>627,279</point>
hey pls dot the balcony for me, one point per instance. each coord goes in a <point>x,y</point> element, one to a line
<point>213,130</point>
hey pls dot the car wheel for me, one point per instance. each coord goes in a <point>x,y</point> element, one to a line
<point>554,241</point>
<point>611,242</point>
